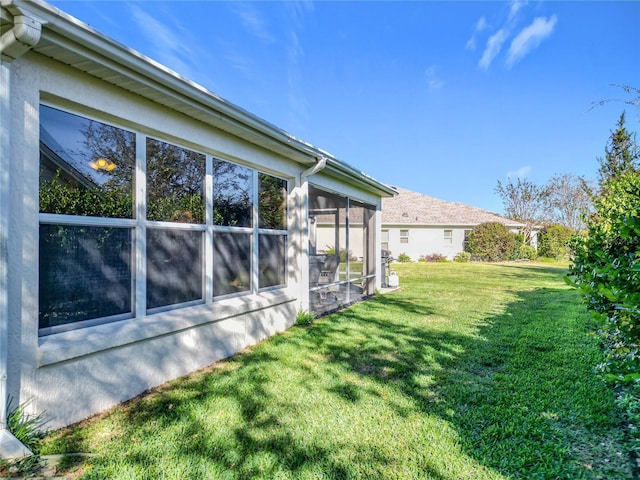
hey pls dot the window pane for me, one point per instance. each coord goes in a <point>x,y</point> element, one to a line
<point>448,236</point>
<point>85,273</point>
<point>86,167</point>
<point>231,262</point>
<point>174,266</point>
<point>272,206</point>
<point>272,260</point>
<point>175,183</point>
<point>232,193</point>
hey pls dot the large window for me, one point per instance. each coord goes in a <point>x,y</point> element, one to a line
<point>175,194</point>
<point>111,248</point>
<point>87,238</point>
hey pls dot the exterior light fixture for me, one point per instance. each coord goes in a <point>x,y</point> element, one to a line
<point>102,164</point>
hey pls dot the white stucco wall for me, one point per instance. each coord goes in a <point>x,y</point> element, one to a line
<point>71,375</point>
<point>428,240</point>
<point>424,241</point>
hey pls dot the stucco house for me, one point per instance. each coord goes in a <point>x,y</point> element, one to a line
<point>419,225</point>
<point>149,227</point>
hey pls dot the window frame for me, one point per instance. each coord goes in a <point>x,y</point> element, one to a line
<point>404,235</point>
<point>139,225</point>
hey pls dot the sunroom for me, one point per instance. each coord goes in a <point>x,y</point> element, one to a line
<point>150,228</point>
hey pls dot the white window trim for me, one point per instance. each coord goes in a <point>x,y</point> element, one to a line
<point>139,225</point>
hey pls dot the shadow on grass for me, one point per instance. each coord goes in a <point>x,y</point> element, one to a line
<point>519,393</point>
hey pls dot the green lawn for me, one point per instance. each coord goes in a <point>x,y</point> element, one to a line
<point>469,371</point>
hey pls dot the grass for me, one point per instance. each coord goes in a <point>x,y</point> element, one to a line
<point>470,371</point>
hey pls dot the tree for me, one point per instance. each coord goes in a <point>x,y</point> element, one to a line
<point>523,201</point>
<point>621,154</point>
<point>567,201</point>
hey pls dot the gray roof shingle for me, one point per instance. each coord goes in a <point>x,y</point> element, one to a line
<point>413,208</point>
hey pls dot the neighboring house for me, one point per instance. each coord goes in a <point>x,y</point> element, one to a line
<point>148,227</point>
<point>419,225</point>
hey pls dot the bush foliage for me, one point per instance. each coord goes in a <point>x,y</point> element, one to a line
<point>606,269</point>
<point>404,258</point>
<point>433,257</point>
<point>553,241</point>
<point>462,257</point>
<point>491,242</point>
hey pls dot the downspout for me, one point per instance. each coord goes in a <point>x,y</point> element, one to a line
<point>320,164</point>
<point>301,202</point>
<point>14,43</point>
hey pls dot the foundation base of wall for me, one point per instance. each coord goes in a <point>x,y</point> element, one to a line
<point>11,448</point>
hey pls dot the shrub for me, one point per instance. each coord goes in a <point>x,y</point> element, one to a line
<point>304,318</point>
<point>526,252</point>
<point>434,257</point>
<point>553,241</point>
<point>462,257</point>
<point>492,242</point>
<point>606,269</point>
<point>404,258</point>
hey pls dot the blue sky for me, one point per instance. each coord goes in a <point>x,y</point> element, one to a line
<point>444,98</point>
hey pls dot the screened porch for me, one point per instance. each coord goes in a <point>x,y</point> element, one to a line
<point>341,246</point>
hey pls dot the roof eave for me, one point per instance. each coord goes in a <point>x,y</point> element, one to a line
<point>70,41</point>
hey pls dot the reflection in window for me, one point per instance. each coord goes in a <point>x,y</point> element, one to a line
<point>271,260</point>
<point>175,180</point>
<point>85,273</point>
<point>272,198</point>
<point>86,167</point>
<point>88,266</point>
<point>231,262</point>
<point>174,266</point>
<point>232,192</point>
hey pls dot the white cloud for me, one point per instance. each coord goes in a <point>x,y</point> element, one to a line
<point>522,172</point>
<point>434,81</point>
<point>253,21</point>
<point>530,37</point>
<point>494,45</point>
<point>170,48</point>
<point>516,5</point>
<point>480,26</point>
